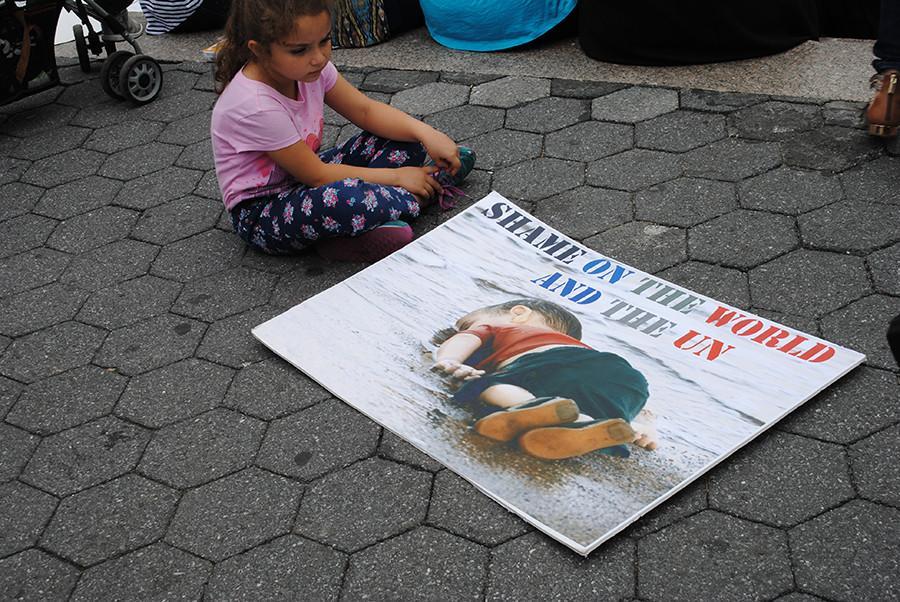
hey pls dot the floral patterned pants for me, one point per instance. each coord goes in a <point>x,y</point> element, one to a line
<point>294,219</point>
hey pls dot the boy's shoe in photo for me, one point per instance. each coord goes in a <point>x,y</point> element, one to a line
<point>572,440</point>
<point>883,113</point>
<point>506,425</point>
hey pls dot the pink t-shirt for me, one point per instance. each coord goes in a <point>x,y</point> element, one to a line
<point>251,118</point>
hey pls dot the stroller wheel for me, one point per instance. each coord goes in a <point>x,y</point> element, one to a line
<point>140,79</point>
<point>84,60</point>
<point>109,73</point>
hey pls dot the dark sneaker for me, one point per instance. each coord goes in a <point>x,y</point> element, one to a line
<point>883,113</point>
<point>450,183</point>
<point>571,440</point>
<point>368,247</point>
<point>505,425</point>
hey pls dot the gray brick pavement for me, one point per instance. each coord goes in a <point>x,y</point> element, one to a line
<point>151,447</point>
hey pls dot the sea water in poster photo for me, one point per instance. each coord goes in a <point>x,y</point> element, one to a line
<point>575,390</point>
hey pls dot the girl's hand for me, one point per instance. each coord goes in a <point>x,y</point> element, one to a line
<point>442,150</point>
<point>418,180</point>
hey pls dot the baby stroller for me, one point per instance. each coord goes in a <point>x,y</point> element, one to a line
<point>28,62</point>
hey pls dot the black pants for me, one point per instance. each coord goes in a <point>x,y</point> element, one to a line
<point>893,337</point>
<point>887,46</point>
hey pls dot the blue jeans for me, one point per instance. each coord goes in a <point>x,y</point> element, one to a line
<point>292,220</point>
<point>887,46</point>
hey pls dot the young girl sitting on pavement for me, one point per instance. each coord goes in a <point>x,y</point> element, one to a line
<point>557,395</point>
<point>285,196</point>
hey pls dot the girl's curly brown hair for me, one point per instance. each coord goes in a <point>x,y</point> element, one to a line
<point>265,21</point>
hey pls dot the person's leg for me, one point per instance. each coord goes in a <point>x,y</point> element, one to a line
<point>883,112</point>
<point>211,14</point>
<point>368,150</point>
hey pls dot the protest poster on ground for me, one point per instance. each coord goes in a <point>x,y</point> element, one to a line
<point>511,310</point>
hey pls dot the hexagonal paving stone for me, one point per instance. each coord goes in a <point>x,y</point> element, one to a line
<point>35,121</point>
<point>574,88</point>
<point>782,480</point>
<point>202,449</point>
<point>102,114</point>
<point>849,553</point>
<point>547,114</point>
<point>775,120</point>
<point>224,294</point>
<point>851,226</point>
<point>395,80</point>
<point>271,389</point>
<point>301,565</point>
<point>200,255</point>
<point>634,104</point>
<point>129,302</point>
<point>366,503</point>
<point>234,514</point>
<point>539,178</point>
<point>634,169</point>
<point>810,283</point>
<point>717,102</point>
<point>421,564</point>
<point>197,156</point>
<point>177,219</point>
<point>716,282</point>
<point>519,571</point>
<point>876,180</point>
<point>86,393</point>
<point>135,162</point>
<point>150,344</point>
<point>875,469</point>
<point>39,308</point>
<point>502,148</point>
<point>30,270</point>
<point>24,511</point>
<point>107,265</point>
<point>172,108</point>
<point>157,572</point>
<point>751,561</point>
<point>128,134</point>
<point>430,98</point>
<point>78,458</point>
<point>230,342</point>
<point>318,440</point>
<point>187,130</point>
<point>742,239</point>
<point>589,141</point>
<point>49,143</point>
<point>158,187</point>
<point>50,351</point>
<point>394,448</point>
<point>175,392</point>
<point>646,246</point>
<point>684,202</point>
<point>788,190</point>
<point>36,575</point>
<point>885,268</point>
<point>861,326</point>
<point>63,168</point>
<point>93,229</point>
<point>461,123</point>
<point>680,131</point>
<point>458,507</point>
<point>829,148</point>
<point>24,233</point>
<point>74,198</point>
<point>584,211</point>
<point>731,160</point>
<point>12,169</point>
<point>509,91</point>
<point>9,393</point>
<point>686,502</point>
<point>17,198</point>
<point>109,519</point>
<point>16,447</point>
<point>857,405</point>
<point>209,187</point>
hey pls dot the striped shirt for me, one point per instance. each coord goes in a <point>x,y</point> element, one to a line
<point>165,15</point>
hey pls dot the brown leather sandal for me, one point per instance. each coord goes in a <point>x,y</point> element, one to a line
<point>883,113</point>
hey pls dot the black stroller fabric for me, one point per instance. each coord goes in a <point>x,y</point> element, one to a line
<point>26,46</point>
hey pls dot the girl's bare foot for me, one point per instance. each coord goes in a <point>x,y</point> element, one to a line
<point>644,426</point>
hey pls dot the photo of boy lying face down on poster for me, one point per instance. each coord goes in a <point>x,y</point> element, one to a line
<point>529,377</point>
